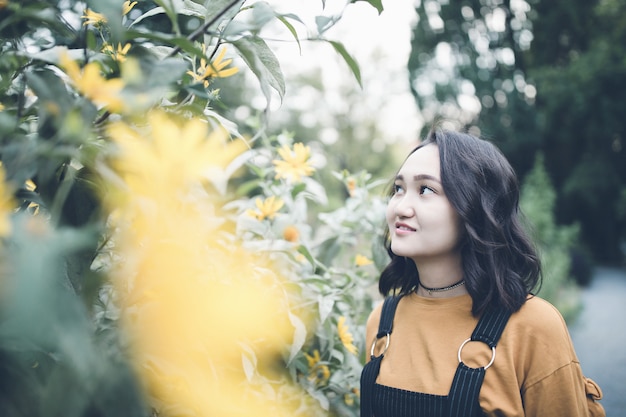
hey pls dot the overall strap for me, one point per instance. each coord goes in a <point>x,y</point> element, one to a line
<point>463,396</point>
<point>372,368</point>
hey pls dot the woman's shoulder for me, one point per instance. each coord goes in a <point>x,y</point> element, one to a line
<point>374,317</point>
<point>536,306</point>
<point>538,319</point>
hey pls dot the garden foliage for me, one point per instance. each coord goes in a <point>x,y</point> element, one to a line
<point>158,256</point>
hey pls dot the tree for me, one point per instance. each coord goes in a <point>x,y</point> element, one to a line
<point>506,69</point>
<point>580,80</point>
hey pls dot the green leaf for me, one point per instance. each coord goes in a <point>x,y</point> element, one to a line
<point>262,14</point>
<point>283,19</point>
<point>50,88</point>
<point>170,10</point>
<point>324,23</point>
<point>354,66</point>
<point>299,336</point>
<point>379,254</point>
<point>215,7</point>
<point>149,13</point>
<point>307,254</point>
<point>167,39</point>
<point>325,306</point>
<point>263,63</point>
<point>297,189</point>
<point>187,8</point>
<point>377,4</point>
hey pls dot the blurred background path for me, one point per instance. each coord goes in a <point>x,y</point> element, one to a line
<point>599,335</point>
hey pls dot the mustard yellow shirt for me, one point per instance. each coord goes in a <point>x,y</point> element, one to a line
<point>535,374</point>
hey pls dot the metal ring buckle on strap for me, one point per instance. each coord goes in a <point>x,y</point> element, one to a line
<point>374,346</point>
<point>493,352</point>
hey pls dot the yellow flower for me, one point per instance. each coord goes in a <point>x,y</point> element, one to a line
<point>314,359</point>
<point>171,154</point>
<point>266,209</point>
<point>294,164</point>
<point>348,397</point>
<point>92,85</point>
<point>214,69</point>
<point>119,54</point>
<point>319,373</point>
<point>291,234</point>
<point>31,186</point>
<point>180,282</point>
<point>351,185</point>
<point>1,107</point>
<point>361,260</point>
<point>93,18</point>
<point>127,7</point>
<point>345,336</point>
<point>6,205</point>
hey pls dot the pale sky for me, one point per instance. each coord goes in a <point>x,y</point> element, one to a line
<point>381,46</point>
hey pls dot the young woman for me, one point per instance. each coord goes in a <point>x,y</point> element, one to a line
<point>460,333</point>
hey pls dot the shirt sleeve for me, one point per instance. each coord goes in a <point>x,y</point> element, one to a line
<point>563,393</point>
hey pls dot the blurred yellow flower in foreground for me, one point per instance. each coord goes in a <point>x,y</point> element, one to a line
<point>1,107</point>
<point>361,260</point>
<point>190,150</point>
<point>7,204</point>
<point>345,336</point>
<point>92,85</point>
<point>215,69</point>
<point>194,304</point>
<point>266,209</point>
<point>294,164</point>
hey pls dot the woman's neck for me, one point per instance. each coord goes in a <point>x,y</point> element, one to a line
<point>443,278</point>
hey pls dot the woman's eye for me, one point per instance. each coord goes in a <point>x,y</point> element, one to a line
<point>426,190</point>
<point>397,189</point>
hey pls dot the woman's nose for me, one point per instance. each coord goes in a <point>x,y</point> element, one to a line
<point>403,208</point>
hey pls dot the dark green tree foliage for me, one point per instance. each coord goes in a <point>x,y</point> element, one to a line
<point>549,76</point>
<point>580,73</point>
<point>554,242</point>
<point>486,41</point>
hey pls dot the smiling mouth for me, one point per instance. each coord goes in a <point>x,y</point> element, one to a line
<point>404,227</point>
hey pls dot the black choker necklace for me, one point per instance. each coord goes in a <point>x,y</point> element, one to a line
<point>449,287</point>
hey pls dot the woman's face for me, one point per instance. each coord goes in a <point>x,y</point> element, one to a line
<point>422,223</point>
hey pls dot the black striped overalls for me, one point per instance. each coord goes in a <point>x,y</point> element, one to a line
<point>461,401</point>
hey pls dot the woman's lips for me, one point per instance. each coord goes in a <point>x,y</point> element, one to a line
<point>402,227</point>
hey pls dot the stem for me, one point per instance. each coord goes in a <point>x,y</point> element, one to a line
<point>202,29</point>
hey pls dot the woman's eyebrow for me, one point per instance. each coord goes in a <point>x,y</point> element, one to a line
<point>421,177</point>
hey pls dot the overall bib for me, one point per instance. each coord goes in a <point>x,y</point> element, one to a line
<point>462,400</point>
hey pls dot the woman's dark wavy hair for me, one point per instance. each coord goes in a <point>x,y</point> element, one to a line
<point>500,263</point>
